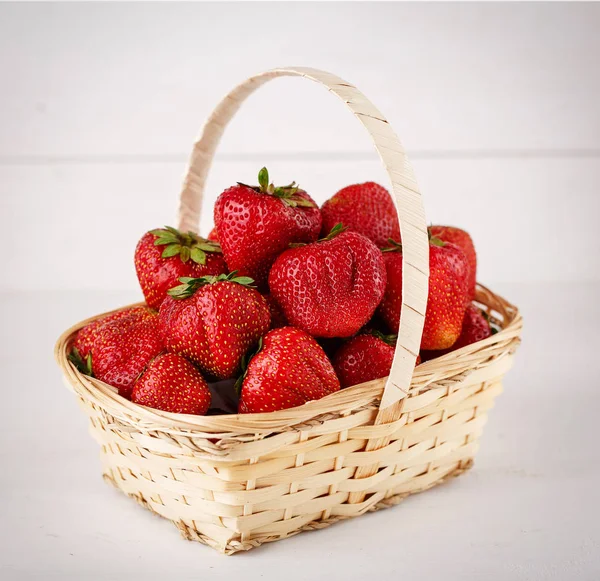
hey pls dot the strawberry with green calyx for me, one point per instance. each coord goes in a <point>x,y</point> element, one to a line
<point>214,321</point>
<point>475,327</point>
<point>365,208</point>
<point>289,370</point>
<point>464,241</point>
<point>256,223</point>
<point>448,292</point>
<point>172,384</point>
<point>116,349</point>
<point>332,287</point>
<point>165,255</point>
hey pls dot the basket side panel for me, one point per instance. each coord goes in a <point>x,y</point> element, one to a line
<point>307,484</point>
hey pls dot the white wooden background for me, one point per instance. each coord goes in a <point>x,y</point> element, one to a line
<point>497,104</point>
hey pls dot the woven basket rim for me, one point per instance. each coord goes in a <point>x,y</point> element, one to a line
<point>448,366</point>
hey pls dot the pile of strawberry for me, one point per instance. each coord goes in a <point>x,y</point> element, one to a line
<point>292,301</point>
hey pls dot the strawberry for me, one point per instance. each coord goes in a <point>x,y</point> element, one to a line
<point>277,316</point>
<point>365,208</point>
<point>118,348</point>
<point>87,336</point>
<point>163,256</point>
<point>332,287</point>
<point>463,240</point>
<point>213,321</point>
<point>475,327</point>
<point>257,223</point>
<point>289,370</point>
<point>448,293</point>
<point>365,357</point>
<point>214,236</point>
<point>172,384</point>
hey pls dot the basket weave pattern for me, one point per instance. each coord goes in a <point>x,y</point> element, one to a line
<point>235,482</point>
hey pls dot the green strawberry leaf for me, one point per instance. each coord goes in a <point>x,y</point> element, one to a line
<point>185,253</point>
<point>198,256</point>
<point>393,246</point>
<point>337,229</point>
<point>246,358</point>
<point>389,339</point>
<point>171,250</point>
<point>303,202</point>
<point>84,367</point>
<point>163,241</point>
<point>181,291</point>
<point>243,280</point>
<point>191,285</point>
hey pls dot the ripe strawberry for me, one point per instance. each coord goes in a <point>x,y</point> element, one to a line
<point>463,240</point>
<point>365,208</point>
<point>330,288</point>
<point>448,293</point>
<point>213,321</point>
<point>214,236</point>
<point>475,327</point>
<point>365,357</point>
<point>277,316</point>
<point>172,384</point>
<point>289,370</point>
<point>87,336</point>
<point>118,349</point>
<point>163,256</point>
<point>255,224</point>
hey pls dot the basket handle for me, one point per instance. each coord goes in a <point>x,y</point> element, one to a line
<point>415,245</point>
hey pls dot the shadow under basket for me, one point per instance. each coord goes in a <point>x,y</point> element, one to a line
<point>235,482</point>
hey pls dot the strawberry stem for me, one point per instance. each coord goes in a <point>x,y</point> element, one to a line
<point>287,194</point>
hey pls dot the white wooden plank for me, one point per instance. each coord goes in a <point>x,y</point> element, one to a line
<point>75,226</point>
<point>107,79</point>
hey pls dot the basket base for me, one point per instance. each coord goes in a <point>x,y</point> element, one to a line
<point>237,546</point>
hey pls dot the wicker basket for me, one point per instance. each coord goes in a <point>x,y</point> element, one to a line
<point>235,482</point>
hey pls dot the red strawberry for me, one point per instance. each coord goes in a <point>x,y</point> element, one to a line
<point>214,236</point>
<point>213,321</point>
<point>119,349</point>
<point>448,293</point>
<point>365,208</point>
<point>255,224</point>
<point>277,316</point>
<point>365,358</point>
<point>475,327</point>
<point>289,370</point>
<point>163,256</point>
<point>172,384</point>
<point>330,288</point>
<point>463,240</point>
<point>87,336</point>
